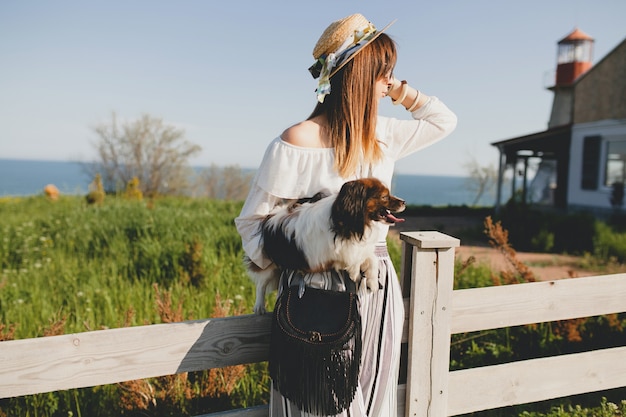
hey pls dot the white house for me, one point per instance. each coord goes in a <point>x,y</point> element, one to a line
<point>582,154</point>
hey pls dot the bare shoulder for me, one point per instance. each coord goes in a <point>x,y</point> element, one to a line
<point>305,134</point>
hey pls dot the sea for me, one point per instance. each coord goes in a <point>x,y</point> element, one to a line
<point>29,177</point>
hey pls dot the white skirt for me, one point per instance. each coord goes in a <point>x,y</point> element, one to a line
<point>382,317</point>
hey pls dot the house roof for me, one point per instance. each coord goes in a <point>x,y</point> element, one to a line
<point>576,35</point>
<point>553,139</point>
<point>545,144</point>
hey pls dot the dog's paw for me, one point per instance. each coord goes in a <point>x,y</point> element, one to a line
<point>370,274</point>
<point>266,280</point>
<point>259,302</point>
<point>354,273</point>
<point>372,283</point>
<point>259,308</point>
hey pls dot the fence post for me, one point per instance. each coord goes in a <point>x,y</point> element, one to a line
<point>427,278</point>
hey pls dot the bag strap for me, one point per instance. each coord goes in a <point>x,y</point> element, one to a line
<point>288,276</point>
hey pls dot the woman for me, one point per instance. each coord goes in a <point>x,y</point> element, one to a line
<point>344,139</point>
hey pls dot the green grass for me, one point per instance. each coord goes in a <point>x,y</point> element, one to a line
<point>93,264</point>
<point>68,267</point>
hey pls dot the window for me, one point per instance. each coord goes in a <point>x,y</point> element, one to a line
<point>579,51</point>
<point>615,162</point>
<point>590,163</point>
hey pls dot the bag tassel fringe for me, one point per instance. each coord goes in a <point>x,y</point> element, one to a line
<point>318,377</point>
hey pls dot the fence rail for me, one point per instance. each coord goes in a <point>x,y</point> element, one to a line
<point>434,311</point>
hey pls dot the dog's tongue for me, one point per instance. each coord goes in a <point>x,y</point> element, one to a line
<point>393,219</point>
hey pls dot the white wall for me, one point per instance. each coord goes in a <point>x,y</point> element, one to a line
<point>608,130</point>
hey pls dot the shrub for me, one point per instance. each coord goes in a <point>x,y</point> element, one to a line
<point>96,191</point>
<point>133,191</point>
<point>546,231</point>
<point>609,244</point>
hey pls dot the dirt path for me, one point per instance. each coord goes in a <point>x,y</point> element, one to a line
<point>545,266</point>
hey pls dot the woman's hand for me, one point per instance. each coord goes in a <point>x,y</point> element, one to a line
<point>394,88</point>
<point>402,93</point>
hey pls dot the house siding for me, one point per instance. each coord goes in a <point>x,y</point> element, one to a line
<point>600,94</point>
<point>599,197</point>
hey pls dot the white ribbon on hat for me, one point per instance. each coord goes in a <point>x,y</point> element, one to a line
<point>323,86</point>
<point>351,45</point>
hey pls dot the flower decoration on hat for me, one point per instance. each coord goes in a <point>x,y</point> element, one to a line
<point>339,43</point>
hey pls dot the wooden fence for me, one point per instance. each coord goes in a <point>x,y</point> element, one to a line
<point>433,312</point>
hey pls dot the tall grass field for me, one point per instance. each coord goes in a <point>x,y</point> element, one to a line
<point>67,266</point>
<point>92,265</point>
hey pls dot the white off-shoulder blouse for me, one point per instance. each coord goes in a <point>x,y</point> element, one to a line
<point>289,172</point>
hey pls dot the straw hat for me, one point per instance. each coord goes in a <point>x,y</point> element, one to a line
<point>345,36</point>
<point>339,43</point>
<point>337,32</point>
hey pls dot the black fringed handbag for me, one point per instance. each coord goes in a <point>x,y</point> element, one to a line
<point>315,348</point>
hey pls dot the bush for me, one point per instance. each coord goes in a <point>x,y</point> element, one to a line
<point>608,244</point>
<point>534,230</point>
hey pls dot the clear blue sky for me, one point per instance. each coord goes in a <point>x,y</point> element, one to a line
<point>233,74</point>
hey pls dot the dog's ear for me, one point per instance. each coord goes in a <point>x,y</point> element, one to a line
<point>348,210</point>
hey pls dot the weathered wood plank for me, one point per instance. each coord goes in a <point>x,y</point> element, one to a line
<point>431,268</point>
<point>536,380</point>
<point>441,325</point>
<point>420,334</point>
<point>108,356</point>
<point>510,305</point>
<point>430,240</point>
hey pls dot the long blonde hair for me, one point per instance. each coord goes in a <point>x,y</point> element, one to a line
<point>351,108</point>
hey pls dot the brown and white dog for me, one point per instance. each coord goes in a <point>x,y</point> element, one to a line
<point>326,232</point>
